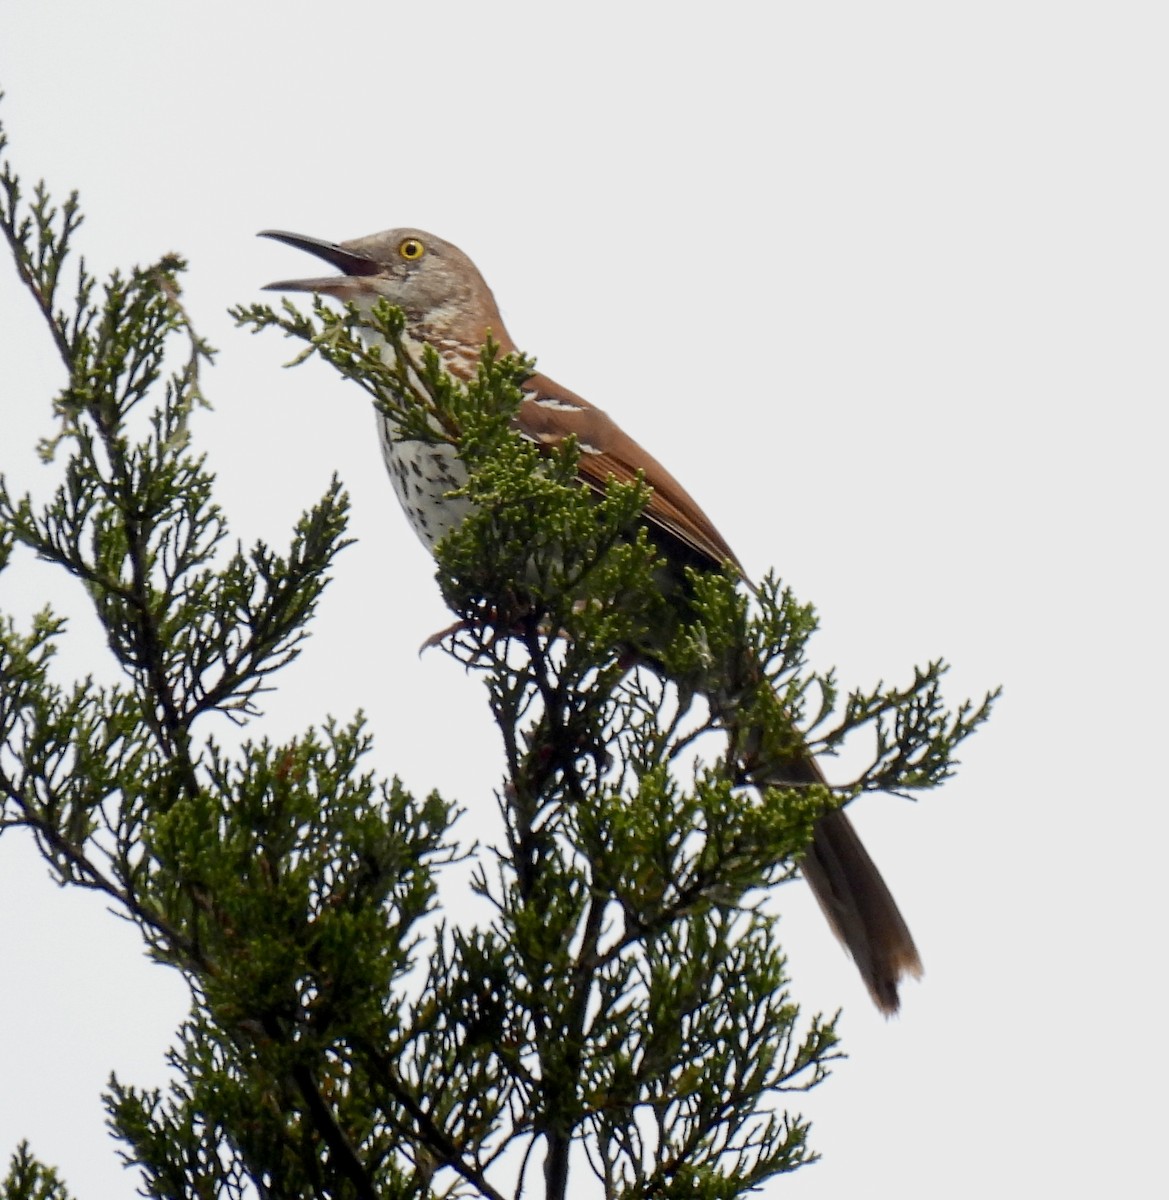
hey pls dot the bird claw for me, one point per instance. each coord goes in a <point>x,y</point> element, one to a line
<point>466,623</point>
<point>437,639</point>
<point>460,626</point>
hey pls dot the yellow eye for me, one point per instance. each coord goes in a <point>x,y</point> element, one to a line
<point>411,249</point>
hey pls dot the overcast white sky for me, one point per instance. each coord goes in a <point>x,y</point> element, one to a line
<point>885,285</point>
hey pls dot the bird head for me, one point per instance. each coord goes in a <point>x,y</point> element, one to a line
<point>437,286</point>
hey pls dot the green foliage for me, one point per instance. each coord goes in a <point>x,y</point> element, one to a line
<point>628,994</point>
<point>627,962</point>
<point>28,1179</point>
<point>627,907</point>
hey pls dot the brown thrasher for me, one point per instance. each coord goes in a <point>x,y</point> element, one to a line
<point>449,305</point>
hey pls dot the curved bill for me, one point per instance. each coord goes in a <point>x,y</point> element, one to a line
<point>346,261</point>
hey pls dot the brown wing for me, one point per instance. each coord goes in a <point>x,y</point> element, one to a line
<point>551,412</point>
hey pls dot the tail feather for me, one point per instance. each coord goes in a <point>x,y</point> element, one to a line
<point>844,879</point>
<point>855,899</point>
<point>860,908</point>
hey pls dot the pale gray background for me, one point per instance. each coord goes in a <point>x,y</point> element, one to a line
<point>885,284</point>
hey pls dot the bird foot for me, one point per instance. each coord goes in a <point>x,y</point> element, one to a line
<point>464,625</point>
<point>437,639</point>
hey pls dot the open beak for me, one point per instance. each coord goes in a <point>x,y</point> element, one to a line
<point>349,264</point>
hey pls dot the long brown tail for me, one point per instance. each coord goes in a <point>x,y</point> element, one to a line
<point>844,879</point>
<point>860,908</point>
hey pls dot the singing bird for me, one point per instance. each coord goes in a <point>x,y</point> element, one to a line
<point>449,306</point>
